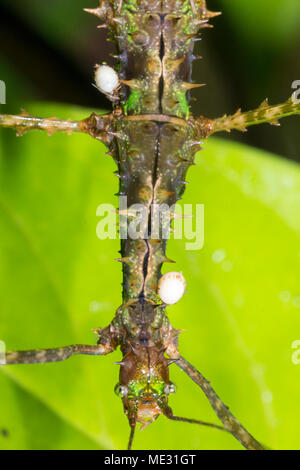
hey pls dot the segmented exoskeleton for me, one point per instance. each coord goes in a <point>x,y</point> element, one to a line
<point>153,139</point>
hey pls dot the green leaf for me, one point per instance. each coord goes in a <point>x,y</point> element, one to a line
<point>58,281</point>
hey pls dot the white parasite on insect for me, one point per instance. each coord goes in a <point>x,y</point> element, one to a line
<point>107,80</point>
<point>171,287</point>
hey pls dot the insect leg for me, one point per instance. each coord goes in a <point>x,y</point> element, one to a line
<point>195,421</point>
<point>263,114</point>
<point>108,340</point>
<point>99,127</point>
<point>168,412</point>
<point>222,411</point>
<point>24,123</point>
<point>40,356</point>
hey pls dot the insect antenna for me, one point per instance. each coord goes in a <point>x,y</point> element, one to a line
<point>132,430</point>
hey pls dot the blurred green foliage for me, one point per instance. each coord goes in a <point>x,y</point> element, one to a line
<point>58,281</point>
<point>268,24</point>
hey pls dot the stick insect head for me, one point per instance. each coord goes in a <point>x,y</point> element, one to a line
<point>144,386</point>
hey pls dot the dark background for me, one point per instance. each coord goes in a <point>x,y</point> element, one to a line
<point>48,50</point>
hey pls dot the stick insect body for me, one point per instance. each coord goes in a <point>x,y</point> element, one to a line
<point>153,139</point>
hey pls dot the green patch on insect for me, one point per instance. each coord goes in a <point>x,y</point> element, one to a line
<point>141,387</point>
<point>184,108</point>
<point>133,102</point>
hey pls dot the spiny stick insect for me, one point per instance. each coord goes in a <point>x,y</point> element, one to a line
<point>153,139</point>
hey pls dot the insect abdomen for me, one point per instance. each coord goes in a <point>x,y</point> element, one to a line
<point>155,40</point>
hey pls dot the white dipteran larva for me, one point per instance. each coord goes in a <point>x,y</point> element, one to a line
<point>106,79</point>
<point>171,287</point>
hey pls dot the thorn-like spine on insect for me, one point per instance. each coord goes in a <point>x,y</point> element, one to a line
<point>212,14</point>
<point>126,260</point>
<point>165,259</point>
<point>133,83</point>
<point>189,86</point>
<point>195,142</point>
<point>175,63</point>
<point>118,20</point>
<point>94,11</point>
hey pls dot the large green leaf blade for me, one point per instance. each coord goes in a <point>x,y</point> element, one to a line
<point>57,281</point>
